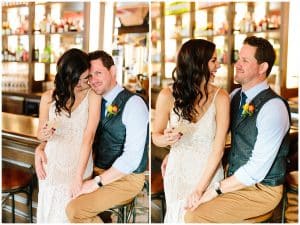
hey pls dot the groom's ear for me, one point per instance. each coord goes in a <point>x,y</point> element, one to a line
<point>263,67</point>
<point>112,70</point>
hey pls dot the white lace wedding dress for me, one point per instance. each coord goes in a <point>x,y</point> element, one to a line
<point>187,160</point>
<point>62,151</point>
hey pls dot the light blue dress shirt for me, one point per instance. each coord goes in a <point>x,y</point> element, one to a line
<point>135,118</point>
<point>272,124</point>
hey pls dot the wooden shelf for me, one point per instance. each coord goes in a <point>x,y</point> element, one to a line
<point>62,33</point>
<point>6,61</point>
<point>211,36</point>
<point>13,5</point>
<point>256,32</point>
<point>19,35</point>
<point>212,5</point>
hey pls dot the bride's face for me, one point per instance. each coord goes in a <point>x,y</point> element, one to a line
<point>83,81</point>
<point>213,66</point>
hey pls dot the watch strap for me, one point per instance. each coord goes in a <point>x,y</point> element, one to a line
<point>218,190</point>
<point>98,180</point>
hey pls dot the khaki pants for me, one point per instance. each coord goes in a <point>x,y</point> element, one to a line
<point>85,208</point>
<point>237,206</point>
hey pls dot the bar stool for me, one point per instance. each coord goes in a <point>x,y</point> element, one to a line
<point>14,181</point>
<point>146,187</point>
<point>124,211</point>
<point>157,191</point>
<point>290,198</point>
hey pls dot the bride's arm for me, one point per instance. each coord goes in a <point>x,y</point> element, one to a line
<point>87,139</point>
<point>44,133</point>
<point>161,135</point>
<point>222,103</point>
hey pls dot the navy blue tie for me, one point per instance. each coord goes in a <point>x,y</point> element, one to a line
<point>243,102</point>
<point>103,103</point>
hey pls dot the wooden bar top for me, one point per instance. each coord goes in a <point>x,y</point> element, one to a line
<point>25,126</point>
<point>25,94</point>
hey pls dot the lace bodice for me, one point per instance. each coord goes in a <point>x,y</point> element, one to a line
<point>202,131</point>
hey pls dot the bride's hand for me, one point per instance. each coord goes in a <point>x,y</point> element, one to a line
<point>193,200</point>
<point>76,186</point>
<point>46,132</point>
<point>171,136</point>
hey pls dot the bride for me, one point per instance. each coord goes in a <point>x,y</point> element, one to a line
<point>68,119</point>
<point>192,117</point>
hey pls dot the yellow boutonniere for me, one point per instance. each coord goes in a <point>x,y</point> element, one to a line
<point>112,110</point>
<point>248,110</point>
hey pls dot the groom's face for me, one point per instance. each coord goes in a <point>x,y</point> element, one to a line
<point>101,78</point>
<point>247,67</point>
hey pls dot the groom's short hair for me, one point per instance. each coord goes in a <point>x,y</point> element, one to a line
<point>106,58</point>
<point>264,51</point>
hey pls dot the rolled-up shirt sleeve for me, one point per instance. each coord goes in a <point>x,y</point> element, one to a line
<point>135,118</point>
<point>272,124</point>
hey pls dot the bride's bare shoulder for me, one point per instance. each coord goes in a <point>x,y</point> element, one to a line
<point>165,98</point>
<point>47,95</point>
<point>166,92</point>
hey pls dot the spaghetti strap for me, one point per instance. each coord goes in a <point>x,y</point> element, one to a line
<point>88,93</point>
<point>216,94</point>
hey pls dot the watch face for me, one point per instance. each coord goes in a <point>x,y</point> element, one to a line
<point>97,179</point>
<point>217,185</point>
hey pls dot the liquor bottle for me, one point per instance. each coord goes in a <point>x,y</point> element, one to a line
<point>35,55</point>
<point>46,56</point>
<point>19,52</point>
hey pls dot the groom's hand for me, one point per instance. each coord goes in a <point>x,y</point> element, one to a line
<point>193,200</point>
<point>88,186</point>
<point>208,195</point>
<point>40,159</point>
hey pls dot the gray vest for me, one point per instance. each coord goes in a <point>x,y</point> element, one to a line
<point>110,137</point>
<point>243,138</point>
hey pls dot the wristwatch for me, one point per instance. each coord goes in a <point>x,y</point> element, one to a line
<point>98,179</point>
<point>217,187</point>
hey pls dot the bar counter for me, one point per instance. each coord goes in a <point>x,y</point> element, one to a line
<point>21,103</point>
<point>19,125</point>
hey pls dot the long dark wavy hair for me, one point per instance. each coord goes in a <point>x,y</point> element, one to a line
<point>190,72</point>
<point>69,68</point>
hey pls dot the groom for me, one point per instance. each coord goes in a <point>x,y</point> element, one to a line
<point>120,146</point>
<point>260,125</point>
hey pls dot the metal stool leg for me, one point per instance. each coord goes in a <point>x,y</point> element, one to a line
<point>121,215</point>
<point>125,215</point>
<point>163,208</point>
<point>13,208</point>
<point>30,202</point>
<point>133,211</point>
<point>284,199</point>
